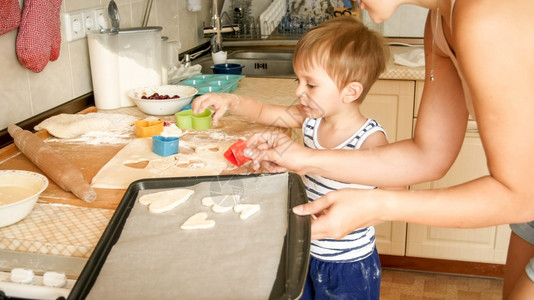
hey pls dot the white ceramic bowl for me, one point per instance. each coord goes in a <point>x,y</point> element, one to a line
<point>162,107</point>
<point>19,191</point>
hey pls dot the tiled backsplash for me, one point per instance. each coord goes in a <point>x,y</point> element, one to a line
<point>24,94</point>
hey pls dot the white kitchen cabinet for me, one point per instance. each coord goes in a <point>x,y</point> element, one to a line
<point>391,103</point>
<point>487,244</point>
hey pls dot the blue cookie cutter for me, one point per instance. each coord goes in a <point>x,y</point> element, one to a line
<point>165,145</point>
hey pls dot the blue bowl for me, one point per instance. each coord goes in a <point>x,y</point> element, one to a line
<point>227,68</point>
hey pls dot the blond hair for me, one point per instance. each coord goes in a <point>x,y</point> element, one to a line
<point>346,49</point>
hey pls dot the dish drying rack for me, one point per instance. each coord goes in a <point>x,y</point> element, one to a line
<point>275,22</point>
<point>271,17</point>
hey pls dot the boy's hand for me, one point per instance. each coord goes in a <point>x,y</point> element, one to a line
<point>220,102</point>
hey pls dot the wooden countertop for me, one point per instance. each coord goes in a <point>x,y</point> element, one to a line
<point>61,224</point>
<point>91,158</point>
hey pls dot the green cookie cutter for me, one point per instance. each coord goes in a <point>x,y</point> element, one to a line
<point>186,119</point>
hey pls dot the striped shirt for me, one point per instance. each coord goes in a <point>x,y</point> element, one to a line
<point>360,243</point>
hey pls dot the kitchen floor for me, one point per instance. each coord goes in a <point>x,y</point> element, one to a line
<point>408,285</point>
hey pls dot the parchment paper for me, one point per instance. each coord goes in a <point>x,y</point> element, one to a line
<point>237,259</point>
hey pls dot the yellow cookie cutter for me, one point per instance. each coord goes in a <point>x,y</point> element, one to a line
<point>144,128</point>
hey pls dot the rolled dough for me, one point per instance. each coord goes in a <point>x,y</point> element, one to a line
<point>198,221</point>
<point>74,125</point>
<point>221,203</point>
<point>200,160</point>
<point>246,210</point>
<point>166,200</point>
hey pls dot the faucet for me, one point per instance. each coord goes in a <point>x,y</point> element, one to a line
<point>216,40</point>
<point>216,30</point>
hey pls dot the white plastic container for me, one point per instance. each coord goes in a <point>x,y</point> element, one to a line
<point>164,60</point>
<point>120,62</point>
<point>103,49</point>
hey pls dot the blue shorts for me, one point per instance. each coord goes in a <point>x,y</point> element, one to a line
<point>526,232</point>
<point>358,280</point>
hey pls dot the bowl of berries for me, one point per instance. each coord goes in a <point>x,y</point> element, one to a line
<point>163,100</point>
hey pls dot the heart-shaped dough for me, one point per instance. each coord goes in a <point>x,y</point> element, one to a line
<point>221,203</point>
<point>246,210</point>
<point>220,209</point>
<point>207,201</point>
<point>198,221</point>
<point>166,200</point>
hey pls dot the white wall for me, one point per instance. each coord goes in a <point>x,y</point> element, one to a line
<point>24,94</point>
<point>407,21</point>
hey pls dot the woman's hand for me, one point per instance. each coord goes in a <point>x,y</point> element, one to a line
<point>275,152</point>
<point>220,102</point>
<point>340,212</point>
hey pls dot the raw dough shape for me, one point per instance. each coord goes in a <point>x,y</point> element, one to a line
<point>220,209</point>
<point>116,175</point>
<point>172,130</point>
<point>221,203</point>
<point>196,164</point>
<point>198,221</point>
<point>246,210</point>
<point>163,163</point>
<point>74,125</point>
<point>166,200</point>
<point>207,201</point>
<point>136,164</point>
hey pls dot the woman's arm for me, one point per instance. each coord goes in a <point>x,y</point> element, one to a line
<point>494,47</point>
<point>437,140</point>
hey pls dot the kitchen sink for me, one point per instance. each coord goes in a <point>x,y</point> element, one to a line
<point>258,63</point>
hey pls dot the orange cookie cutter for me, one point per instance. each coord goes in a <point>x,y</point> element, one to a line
<point>144,128</point>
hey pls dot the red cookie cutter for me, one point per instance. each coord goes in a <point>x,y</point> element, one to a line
<point>235,154</point>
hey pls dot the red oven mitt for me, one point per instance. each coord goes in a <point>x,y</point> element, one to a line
<point>39,36</point>
<point>9,15</point>
<point>235,155</point>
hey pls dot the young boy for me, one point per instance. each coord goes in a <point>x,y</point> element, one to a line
<point>336,64</point>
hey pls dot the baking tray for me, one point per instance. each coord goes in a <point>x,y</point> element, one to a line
<point>294,257</point>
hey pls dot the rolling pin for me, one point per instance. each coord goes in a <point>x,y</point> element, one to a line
<point>55,166</point>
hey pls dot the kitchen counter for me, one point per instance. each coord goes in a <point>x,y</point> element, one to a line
<point>61,224</point>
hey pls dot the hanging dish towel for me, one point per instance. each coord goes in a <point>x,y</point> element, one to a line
<point>413,58</point>
<point>39,37</point>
